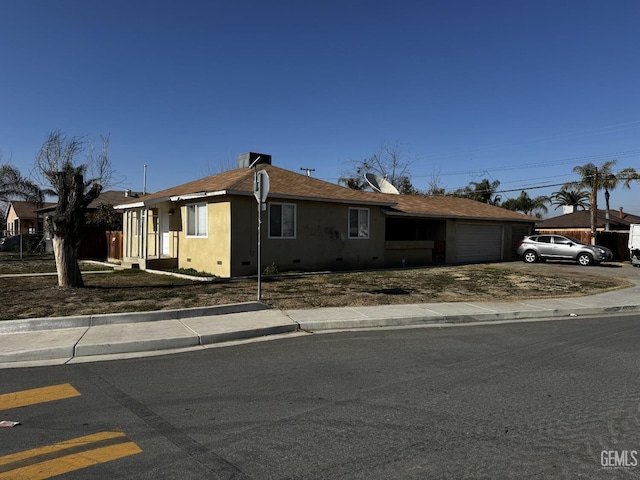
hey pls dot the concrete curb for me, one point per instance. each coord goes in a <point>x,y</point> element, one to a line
<point>149,334</point>
<point>404,321</point>
<point>34,346</point>
<point>56,323</point>
<point>138,333</point>
<point>55,341</point>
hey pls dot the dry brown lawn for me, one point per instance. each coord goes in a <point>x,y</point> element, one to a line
<point>134,290</point>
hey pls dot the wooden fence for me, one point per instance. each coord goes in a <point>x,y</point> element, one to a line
<point>114,245</point>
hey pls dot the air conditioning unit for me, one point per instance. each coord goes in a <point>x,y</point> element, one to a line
<point>246,160</point>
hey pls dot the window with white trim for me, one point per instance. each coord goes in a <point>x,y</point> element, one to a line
<point>282,220</point>
<point>358,223</point>
<point>197,220</point>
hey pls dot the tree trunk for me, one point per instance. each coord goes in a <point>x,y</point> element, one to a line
<point>606,212</point>
<point>594,206</point>
<point>67,226</point>
<point>66,255</point>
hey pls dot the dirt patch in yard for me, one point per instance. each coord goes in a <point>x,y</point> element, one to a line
<point>134,290</point>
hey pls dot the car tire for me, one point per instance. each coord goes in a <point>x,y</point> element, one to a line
<point>530,256</point>
<point>584,259</point>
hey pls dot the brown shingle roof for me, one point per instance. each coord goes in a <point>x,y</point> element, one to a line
<point>286,184</point>
<point>109,197</point>
<point>453,207</point>
<point>282,184</point>
<point>27,210</point>
<point>582,219</point>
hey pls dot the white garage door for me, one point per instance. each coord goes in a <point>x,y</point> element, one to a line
<point>479,242</point>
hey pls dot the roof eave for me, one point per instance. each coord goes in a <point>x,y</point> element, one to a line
<point>284,196</point>
<point>197,195</point>
<point>140,204</point>
<point>457,217</point>
<point>350,201</point>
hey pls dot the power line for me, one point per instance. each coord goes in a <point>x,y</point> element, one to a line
<point>527,188</point>
<point>549,185</point>
<point>624,154</point>
<point>575,160</point>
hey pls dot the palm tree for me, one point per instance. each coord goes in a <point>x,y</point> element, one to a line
<point>354,183</point>
<point>602,178</point>
<point>13,184</point>
<point>588,179</point>
<point>483,191</point>
<point>570,197</point>
<point>610,181</point>
<point>527,205</point>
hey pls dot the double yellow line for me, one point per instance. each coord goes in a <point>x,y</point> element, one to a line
<point>63,457</point>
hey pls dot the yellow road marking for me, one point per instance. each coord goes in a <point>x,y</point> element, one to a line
<point>37,395</point>
<point>64,457</point>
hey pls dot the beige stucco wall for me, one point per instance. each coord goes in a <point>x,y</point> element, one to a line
<point>321,243</point>
<point>507,250</point>
<point>322,239</point>
<point>408,253</point>
<point>209,254</point>
<point>451,253</point>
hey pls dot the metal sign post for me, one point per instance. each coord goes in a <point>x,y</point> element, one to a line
<point>260,191</point>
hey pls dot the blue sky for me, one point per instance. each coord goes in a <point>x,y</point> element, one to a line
<point>515,91</point>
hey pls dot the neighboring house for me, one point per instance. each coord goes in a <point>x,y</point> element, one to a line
<point>22,218</point>
<point>210,225</point>
<point>578,225</point>
<point>98,242</point>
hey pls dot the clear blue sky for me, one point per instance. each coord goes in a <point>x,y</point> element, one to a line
<point>516,91</point>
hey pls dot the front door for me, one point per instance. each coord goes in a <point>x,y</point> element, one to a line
<point>165,234</point>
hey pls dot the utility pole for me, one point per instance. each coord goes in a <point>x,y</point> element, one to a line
<point>308,170</point>
<point>144,181</point>
<point>594,206</point>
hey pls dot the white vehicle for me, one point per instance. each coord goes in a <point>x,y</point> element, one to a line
<point>634,244</point>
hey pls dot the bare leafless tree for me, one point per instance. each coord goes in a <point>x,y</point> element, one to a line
<point>391,162</point>
<point>76,176</point>
<point>434,186</point>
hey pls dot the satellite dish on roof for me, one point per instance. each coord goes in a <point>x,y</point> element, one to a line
<point>379,184</point>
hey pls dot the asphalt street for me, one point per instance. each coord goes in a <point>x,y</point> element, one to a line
<point>543,399</point>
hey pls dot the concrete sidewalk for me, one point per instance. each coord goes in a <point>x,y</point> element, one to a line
<point>49,341</point>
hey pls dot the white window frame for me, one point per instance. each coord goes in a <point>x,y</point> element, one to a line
<point>358,236</point>
<point>295,221</point>
<point>200,214</point>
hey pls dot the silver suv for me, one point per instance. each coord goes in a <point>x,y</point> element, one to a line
<point>559,247</point>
